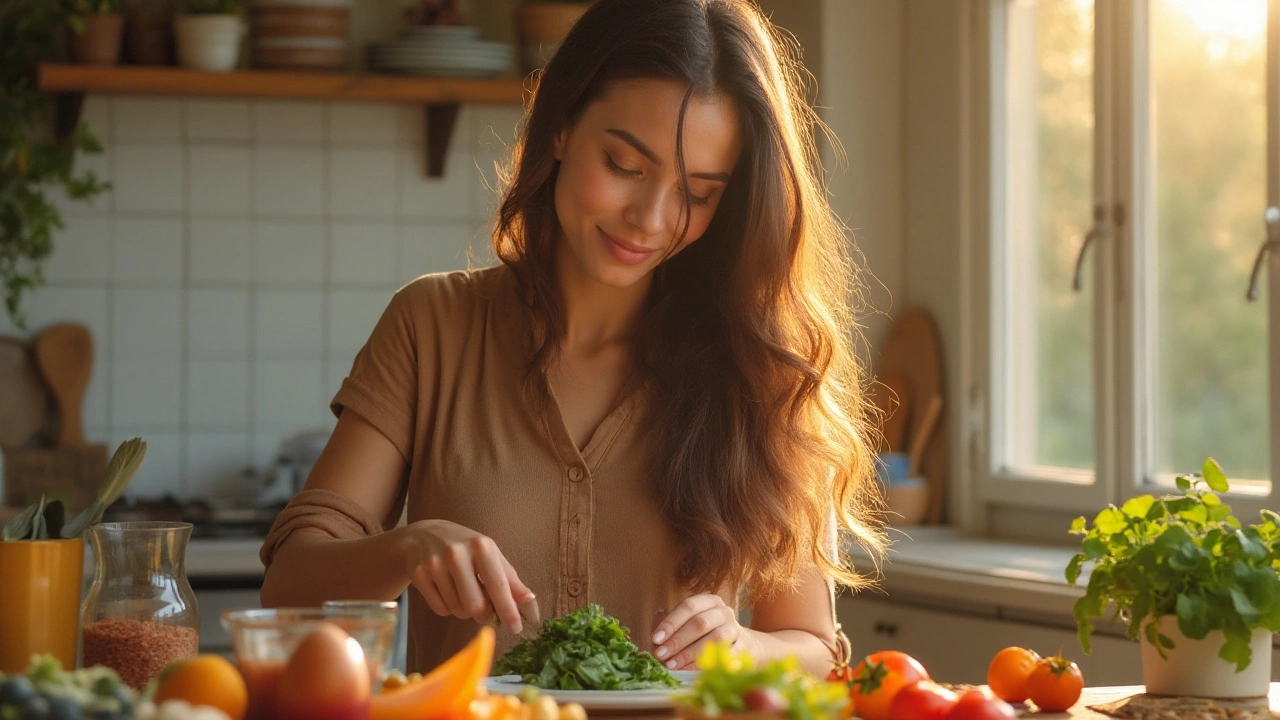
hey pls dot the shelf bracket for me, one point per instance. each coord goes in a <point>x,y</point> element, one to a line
<point>441,119</point>
<point>66,113</point>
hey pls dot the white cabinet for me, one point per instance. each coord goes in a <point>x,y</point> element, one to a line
<point>956,647</point>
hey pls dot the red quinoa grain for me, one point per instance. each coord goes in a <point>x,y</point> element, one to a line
<point>138,650</point>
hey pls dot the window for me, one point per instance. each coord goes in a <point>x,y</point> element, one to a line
<point>1134,150</point>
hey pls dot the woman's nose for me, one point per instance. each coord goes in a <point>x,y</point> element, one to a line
<point>648,211</point>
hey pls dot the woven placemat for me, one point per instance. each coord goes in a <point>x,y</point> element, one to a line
<point>1156,707</point>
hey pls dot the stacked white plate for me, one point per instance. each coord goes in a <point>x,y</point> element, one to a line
<point>441,50</point>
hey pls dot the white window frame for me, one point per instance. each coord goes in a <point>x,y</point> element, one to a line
<point>1123,440</point>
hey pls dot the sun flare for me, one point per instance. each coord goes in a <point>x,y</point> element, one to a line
<point>1238,19</point>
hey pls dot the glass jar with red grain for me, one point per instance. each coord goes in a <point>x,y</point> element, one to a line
<point>140,614</point>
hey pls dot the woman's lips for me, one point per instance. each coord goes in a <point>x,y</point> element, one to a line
<point>625,252</point>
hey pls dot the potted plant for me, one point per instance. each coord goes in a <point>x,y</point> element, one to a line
<point>542,25</point>
<point>1200,589</point>
<point>42,563</point>
<point>33,160</point>
<point>148,32</point>
<point>96,29</point>
<point>208,34</point>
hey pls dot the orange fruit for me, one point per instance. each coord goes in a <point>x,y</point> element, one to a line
<point>205,680</point>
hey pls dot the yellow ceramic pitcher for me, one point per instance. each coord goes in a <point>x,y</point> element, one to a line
<point>40,583</point>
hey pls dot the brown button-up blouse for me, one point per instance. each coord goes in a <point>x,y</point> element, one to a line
<point>443,376</point>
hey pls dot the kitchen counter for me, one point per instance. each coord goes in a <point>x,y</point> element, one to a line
<point>988,577</point>
<point>220,557</point>
<point>210,558</point>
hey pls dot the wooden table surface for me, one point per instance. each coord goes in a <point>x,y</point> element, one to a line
<point>1091,696</point>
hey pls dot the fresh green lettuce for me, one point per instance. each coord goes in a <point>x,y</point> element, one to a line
<point>585,650</point>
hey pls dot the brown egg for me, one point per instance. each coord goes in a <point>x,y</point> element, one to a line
<point>326,679</point>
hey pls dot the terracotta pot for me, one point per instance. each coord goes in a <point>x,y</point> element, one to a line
<point>1193,668</point>
<point>542,27</point>
<point>148,38</point>
<point>99,44</point>
<point>40,601</point>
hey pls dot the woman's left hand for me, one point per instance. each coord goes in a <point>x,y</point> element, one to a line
<point>680,636</point>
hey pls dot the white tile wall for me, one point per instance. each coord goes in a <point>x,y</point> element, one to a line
<point>220,178</point>
<point>241,261</point>
<point>221,251</point>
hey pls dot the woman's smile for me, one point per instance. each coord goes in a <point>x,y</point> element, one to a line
<point>624,251</point>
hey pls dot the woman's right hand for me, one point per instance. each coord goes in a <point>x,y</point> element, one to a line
<point>463,573</point>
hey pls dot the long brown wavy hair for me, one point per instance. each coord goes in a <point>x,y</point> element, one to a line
<point>747,339</point>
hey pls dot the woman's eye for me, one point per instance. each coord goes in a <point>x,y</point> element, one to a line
<point>618,169</point>
<point>700,200</point>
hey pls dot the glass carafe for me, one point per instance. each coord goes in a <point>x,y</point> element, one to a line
<point>140,613</point>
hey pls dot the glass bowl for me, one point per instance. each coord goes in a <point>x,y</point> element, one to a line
<point>264,639</point>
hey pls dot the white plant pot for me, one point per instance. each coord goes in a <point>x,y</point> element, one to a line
<point>1193,668</point>
<point>208,42</point>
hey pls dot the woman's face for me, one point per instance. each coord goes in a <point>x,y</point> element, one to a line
<point>618,194</point>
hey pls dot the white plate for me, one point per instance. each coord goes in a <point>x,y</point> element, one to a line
<point>599,699</point>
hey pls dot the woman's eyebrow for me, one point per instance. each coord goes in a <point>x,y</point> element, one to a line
<point>644,150</point>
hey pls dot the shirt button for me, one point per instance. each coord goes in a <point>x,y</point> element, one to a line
<point>575,474</point>
<point>575,588</point>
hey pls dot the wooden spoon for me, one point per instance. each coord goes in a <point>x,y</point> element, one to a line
<point>923,431</point>
<point>24,400</point>
<point>893,397</point>
<point>65,355</point>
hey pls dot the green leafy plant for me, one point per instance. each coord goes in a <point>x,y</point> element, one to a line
<point>95,7</point>
<point>731,682</point>
<point>32,160</point>
<point>214,7</point>
<point>45,520</point>
<point>584,650</point>
<point>1181,555</point>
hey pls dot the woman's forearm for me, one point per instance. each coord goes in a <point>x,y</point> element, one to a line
<point>812,654</point>
<point>309,569</point>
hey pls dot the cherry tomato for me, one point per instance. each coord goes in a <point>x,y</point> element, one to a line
<point>878,678</point>
<point>1007,675</point>
<point>922,700</point>
<point>1055,684</point>
<point>978,704</point>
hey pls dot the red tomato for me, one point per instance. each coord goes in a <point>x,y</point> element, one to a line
<point>1007,675</point>
<point>922,700</point>
<point>979,704</point>
<point>878,678</point>
<point>1055,684</point>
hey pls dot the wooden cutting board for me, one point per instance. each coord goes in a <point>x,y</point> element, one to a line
<point>24,398</point>
<point>913,350</point>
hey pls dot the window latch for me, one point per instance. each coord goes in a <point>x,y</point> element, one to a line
<point>1272,217</point>
<point>1096,232</point>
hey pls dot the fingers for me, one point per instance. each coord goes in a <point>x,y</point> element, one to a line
<point>687,659</point>
<point>718,622</point>
<point>519,591</point>
<point>681,614</point>
<point>492,570</point>
<point>467,577</point>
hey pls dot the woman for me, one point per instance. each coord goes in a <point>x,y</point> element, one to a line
<point>651,404</point>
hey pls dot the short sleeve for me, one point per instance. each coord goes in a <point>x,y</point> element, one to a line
<point>383,384</point>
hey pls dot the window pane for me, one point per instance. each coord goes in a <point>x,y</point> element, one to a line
<point>1048,344</point>
<point>1208,80</point>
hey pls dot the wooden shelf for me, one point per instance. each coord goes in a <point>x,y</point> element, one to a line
<point>441,96</point>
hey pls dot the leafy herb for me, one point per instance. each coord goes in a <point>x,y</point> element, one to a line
<point>584,650</point>
<point>33,162</point>
<point>44,519</point>
<point>1183,555</point>
<point>727,678</point>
